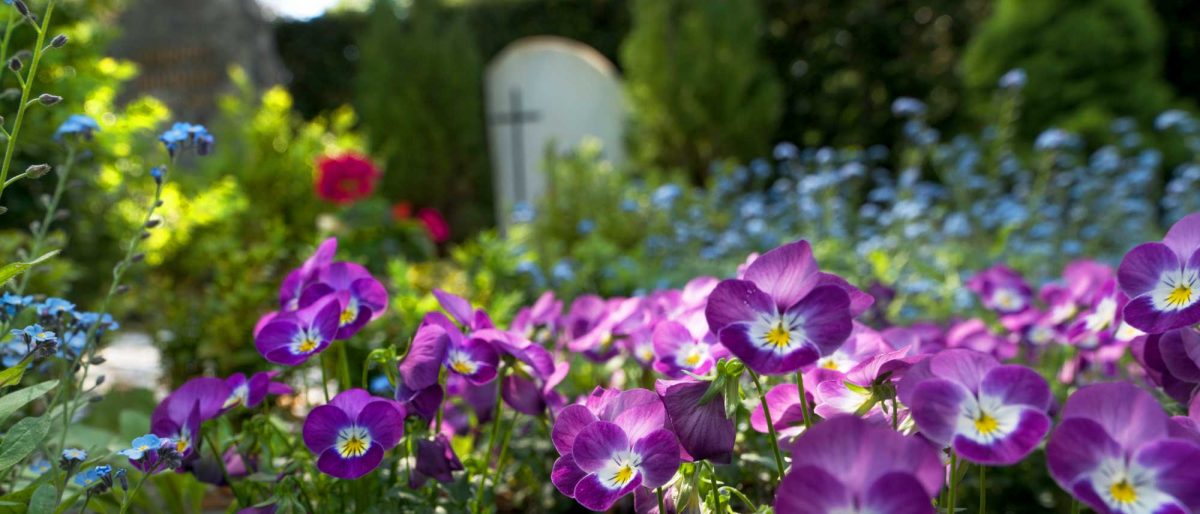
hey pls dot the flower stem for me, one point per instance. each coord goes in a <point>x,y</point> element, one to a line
<point>345,366</point>
<point>324,379</point>
<point>39,236</point>
<point>487,459</point>
<point>27,87</point>
<point>953,493</point>
<point>982,489</point>
<point>762,398</point>
<point>741,496</point>
<point>803,400</point>
<point>662,506</point>
<point>1075,506</point>
<point>715,494</point>
<point>216,451</point>
<point>126,501</point>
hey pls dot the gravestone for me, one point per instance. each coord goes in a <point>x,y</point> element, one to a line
<point>545,93</point>
<point>184,49</point>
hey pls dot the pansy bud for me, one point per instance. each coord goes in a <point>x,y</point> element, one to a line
<point>37,170</point>
<point>59,41</point>
<point>49,99</point>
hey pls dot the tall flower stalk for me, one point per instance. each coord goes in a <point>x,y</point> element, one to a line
<point>26,90</point>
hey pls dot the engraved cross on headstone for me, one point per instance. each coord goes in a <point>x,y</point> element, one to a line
<point>517,118</point>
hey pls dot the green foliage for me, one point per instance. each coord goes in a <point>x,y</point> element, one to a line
<point>699,87</point>
<point>22,439</point>
<point>420,95</point>
<point>1087,61</point>
<point>9,403</point>
<point>843,62</point>
<point>234,225</point>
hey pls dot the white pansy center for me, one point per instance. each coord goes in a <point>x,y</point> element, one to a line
<point>1176,290</point>
<point>620,470</point>
<point>1128,488</point>
<point>987,419</point>
<point>781,333</point>
<point>353,441</point>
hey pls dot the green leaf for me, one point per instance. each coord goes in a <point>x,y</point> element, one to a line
<point>22,440</point>
<point>10,402</point>
<point>44,499</point>
<point>12,270</point>
<point>12,376</point>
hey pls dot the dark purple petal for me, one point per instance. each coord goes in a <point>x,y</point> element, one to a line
<point>436,459</point>
<point>703,429</point>
<point>1017,385</point>
<point>1128,414</point>
<point>936,406</point>
<point>566,475</point>
<point>826,315</point>
<point>423,403</point>
<point>334,465</point>
<point>457,306</point>
<point>321,427</point>
<point>1141,314</point>
<point>1143,266</point>
<point>596,445</point>
<point>660,457</point>
<point>384,419</point>
<point>570,421</point>
<point>208,394</point>
<point>1011,449</point>
<point>370,293</point>
<point>859,301</point>
<point>591,493</point>
<point>484,357</point>
<point>786,273</point>
<point>811,490</point>
<point>898,493</point>
<point>645,501</point>
<point>1076,449</point>
<point>523,395</point>
<point>736,301</point>
<point>1177,348</point>
<point>423,363</point>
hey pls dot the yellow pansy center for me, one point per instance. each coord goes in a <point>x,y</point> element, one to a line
<point>986,424</point>
<point>623,475</point>
<point>693,358</point>
<point>306,342</point>
<point>353,441</point>
<point>462,364</point>
<point>830,364</point>
<point>182,444</point>
<point>1181,295</point>
<point>1123,492</point>
<point>779,336</point>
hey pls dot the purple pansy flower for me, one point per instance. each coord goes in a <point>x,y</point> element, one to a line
<point>846,464</point>
<point>1114,452</point>
<point>986,412</point>
<point>611,445</point>
<point>685,346</point>
<point>351,433</point>
<point>361,296</point>
<point>460,309</point>
<point>1171,360</point>
<point>251,392</point>
<point>1162,280</point>
<point>1001,289</point>
<point>703,429</point>
<point>780,319</point>
<point>475,358</point>
<point>180,414</point>
<point>852,393</point>
<point>540,321</point>
<point>620,318</point>
<point>418,387</point>
<point>291,338</point>
<point>975,335</point>
<point>299,278</point>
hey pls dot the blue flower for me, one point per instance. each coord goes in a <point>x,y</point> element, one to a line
<point>1013,79</point>
<point>77,125</point>
<point>183,136</point>
<point>55,306</point>
<point>40,466</point>
<point>75,454</point>
<point>585,227</point>
<point>87,478</point>
<point>138,448</point>
<point>906,107</point>
<point>37,334</point>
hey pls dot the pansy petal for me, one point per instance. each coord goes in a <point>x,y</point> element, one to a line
<point>859,300</point>
<point>566,475</point>
<point>457,306</point>
<point>352,401</point>
<point>826,314</point>
<point>1128,414</point>
<point>786,273</point>
<point>703,429</point>
<point>571,420</point>
<point>1141,314</point>
<point>1076,448</point>
<point>1016,385</point>
<point>936,406</point>
<point>660,457</point>
<point>423,362</point>
<point>967,367</point>
<point>596,445</point>
<point>1174,463</point>
<point>642,419</point>
<point>1184,236</point>
<point>811,490</point>
<point>592,493</point>
<point>1177,348</point>
<point>322,425</point>
<point>1032,426</point>
<point>1143,266</point>
<point>898,493</point>
<point>736,301</point>
<point>332,464</point>
<point>384,420</point>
